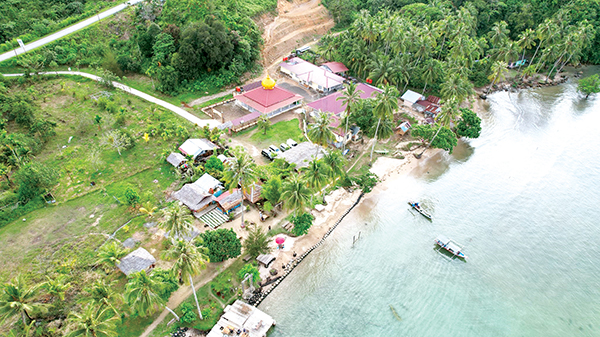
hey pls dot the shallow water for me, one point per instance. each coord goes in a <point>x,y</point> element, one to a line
<point>523,199</point>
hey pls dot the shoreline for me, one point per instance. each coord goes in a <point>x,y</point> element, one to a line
<point>339,204</point>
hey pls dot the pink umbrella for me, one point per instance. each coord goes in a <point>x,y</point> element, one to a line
<point>280,240</point>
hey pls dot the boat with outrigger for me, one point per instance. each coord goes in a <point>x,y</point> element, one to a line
<point>418,208</point>
<point>451,246</point>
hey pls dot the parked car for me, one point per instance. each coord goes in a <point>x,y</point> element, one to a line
<point>267,153</point>
<point>274,150</point>
<point>284,147</point>
<point>291,142</point>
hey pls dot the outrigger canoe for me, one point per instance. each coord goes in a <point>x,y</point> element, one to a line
<point>450,246</point>
<point>417,207</point>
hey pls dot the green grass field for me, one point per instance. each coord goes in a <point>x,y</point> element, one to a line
<point>278,133</point>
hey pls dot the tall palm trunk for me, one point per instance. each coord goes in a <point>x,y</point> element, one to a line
<point>345,134</point>
<point>494,81</point>
<point>522,58</point>
<point>565,63</point>
<point>375,139</point>
<point>195,297</point>
<point>425,87</point>
<point>432,139</point>
<point>242,204</point>
<point>173,312</point>
<point>534,54</point>
<point>555,64</point>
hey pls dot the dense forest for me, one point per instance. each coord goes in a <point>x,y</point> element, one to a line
<point>32,19</point>
<point>446,50</point>
<point>181,43</point>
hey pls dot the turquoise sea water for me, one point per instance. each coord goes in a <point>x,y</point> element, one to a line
<point>524,200</point>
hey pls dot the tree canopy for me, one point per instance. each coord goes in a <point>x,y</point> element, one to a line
<point>445,139</point>
<point>589,85</point>
<point>469,124</point>
<point>222,244</point>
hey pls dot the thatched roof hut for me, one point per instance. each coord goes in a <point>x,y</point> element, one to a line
<point>136,261</point>
<point>302,154</point>
<point>194,197</point>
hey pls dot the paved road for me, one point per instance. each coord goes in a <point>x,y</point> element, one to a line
<point>181,112</point>
<point>66,31</point>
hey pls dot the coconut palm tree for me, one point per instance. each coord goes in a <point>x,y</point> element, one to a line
<point>141,293</point>
<point>93,321</point>
<point>295,193</point>
<point>432,71</point>
<point>526,41</point>
<point>317,175</point>
<point>16,298</point>
<point>457,86</point>
<point>349,97</point>
<point>190,260</point>
<point>56,286</point>
<point>110,255</point>
<point>321,133</point>
<point>257,242</point>
<point>498,35</point>
<point>148,208</point>
<point>336,163</point>
<point>102,294</point>
<point>177,221</point>
<point>498,72</point>
<point>386,103</point>
<point>240,172</point>
<point>383,69</point>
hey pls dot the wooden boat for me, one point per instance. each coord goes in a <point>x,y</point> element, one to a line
<point>450,246</point>
<point>417,207</point>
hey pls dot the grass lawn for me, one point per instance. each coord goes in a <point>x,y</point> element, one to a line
<point>278,133</point>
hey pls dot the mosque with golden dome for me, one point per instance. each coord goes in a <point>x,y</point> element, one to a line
<point>266,98</point>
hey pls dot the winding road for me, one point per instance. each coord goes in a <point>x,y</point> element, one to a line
<point>181,112</point>
<point>71,29</point>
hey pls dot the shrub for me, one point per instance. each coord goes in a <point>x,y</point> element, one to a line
<point>131,196</point>
<point>188,313</point>
<point>302,223</point>
<point>222,244</point>
<point>249,269</point>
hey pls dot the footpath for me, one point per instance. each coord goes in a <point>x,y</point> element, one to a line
<point>181,112</point>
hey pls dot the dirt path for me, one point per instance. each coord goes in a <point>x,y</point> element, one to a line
<point>209,97</point>
<point>299,22</point>
<point>184,292</point>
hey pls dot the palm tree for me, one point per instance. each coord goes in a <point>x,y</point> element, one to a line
<point>526,41</point>
<point>110,255</point>
<point>177,221</point>
<point>141,293</point>
<point>498,72</point>
<point>257,242</point>
<point>190,260</point>
<point>148,208</point>
<point>102,294</point>
<point>336,163</point>
<point>498,36</point>
<point>383,69</point>
<point>93,321</point>
<point>240,171</point>
<point>17,298</point>
<point>57,286</point>
<point>457,86</point>
<point>350,97</point>
<point>321,132</point>
<point>545,33</point>
<point>432,70</point>
<point>386,103</point>
<point>295,193</point>
<point>264,123</point>
<point>316,174</point>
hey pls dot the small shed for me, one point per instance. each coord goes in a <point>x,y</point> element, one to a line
<point>335,67</point>
<point>230,200</point>
<point>194,197</point>
<point>208,183</point>
<point>176,159</point>
<point>198,147</point>
<point>265,259</point>
<point>136,261</point>
<point>253,193</point>
<point>410,97</point>
<point>403,128</point>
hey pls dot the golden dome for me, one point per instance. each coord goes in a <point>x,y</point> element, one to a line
<point>268,83</point>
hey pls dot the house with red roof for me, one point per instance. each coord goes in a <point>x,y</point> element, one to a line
<point>330,103</point>
<point>335,67</point>
<point>306,73</point>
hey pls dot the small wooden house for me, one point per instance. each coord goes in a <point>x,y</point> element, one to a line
<point>229,201</point>
<point>403,128</point>
<point>136,261</point>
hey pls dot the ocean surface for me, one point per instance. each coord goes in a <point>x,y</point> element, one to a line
<point>523,199</point>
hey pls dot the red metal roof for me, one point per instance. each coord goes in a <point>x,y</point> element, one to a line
<point>336,67</point>
<point>433,99</point>
<point>267,100</point>
<point>331,104</point>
